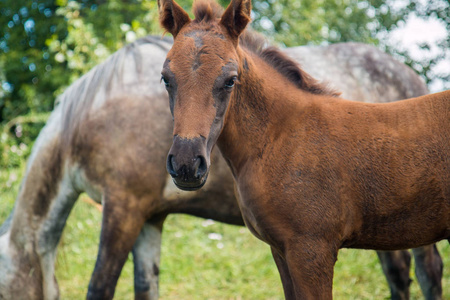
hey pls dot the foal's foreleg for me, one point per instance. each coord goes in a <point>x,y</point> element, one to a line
<point>429,271</point>
<point>310,264</point>
<point>283,269</point>
<point>146,258</point>
<point>396,265</point>
<point>122,221</point>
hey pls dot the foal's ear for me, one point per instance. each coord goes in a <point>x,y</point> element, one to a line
<point>236,17</point>
<point>171,16</point>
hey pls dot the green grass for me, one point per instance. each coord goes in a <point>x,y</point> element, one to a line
<point>194,266</point>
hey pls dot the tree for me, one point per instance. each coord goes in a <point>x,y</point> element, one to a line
<point>300,22</point>
<point>30,73</point>
<point>438,11</point>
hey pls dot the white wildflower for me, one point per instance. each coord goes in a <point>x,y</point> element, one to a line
<point>207,223</point>
<point>215,236</point>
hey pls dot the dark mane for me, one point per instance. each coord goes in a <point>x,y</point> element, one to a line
<point>292,71</point>
<point>286,66</point>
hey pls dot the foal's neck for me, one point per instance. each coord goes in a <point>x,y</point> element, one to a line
<point>263,104</point>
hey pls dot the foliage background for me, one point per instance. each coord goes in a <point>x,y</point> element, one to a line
<point>47,44</point>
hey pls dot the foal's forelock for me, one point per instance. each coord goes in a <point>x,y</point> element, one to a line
<point>206,11</point>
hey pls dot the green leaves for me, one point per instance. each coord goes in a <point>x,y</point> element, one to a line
<point>300,22</point>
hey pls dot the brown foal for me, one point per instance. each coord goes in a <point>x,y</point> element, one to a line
<point>314,173</point>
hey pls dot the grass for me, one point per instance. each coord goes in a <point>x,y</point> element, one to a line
<point>203,260</point>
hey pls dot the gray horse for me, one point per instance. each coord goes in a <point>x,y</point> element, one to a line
<point>109,135</point>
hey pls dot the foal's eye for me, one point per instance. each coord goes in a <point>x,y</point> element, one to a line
<point>166,81</point>
<point>230,82</point>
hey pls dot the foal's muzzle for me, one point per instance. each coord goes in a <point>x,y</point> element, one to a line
<point>187,163</point>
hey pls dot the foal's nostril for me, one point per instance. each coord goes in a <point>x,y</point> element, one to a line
<point>201,166</point>
<point>171,166</point>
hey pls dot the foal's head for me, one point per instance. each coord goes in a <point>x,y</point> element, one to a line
<point>200,74</point>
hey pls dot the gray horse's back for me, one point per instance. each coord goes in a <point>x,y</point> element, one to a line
<point>361,72</point>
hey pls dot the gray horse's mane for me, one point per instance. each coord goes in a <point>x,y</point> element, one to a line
<point>97,84</point>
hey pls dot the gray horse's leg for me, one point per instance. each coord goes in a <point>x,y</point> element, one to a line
<point>146,258</point>
<point>396,265</point>
<point>123,217</point>
<point>429,268</point>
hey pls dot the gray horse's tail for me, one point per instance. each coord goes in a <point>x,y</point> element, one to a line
<point>7,224</point>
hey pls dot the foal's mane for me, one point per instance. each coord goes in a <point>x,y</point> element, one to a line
<point>207,11</point>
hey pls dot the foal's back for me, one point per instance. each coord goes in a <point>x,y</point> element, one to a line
<point>367,165</point>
